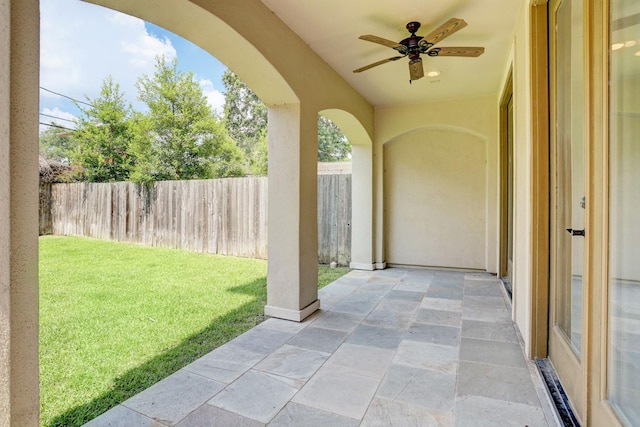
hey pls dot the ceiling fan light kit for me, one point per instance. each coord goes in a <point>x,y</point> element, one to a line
<point>413,46</point>
<point>416,71</point>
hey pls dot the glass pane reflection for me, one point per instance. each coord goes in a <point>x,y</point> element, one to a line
<point>624,212</point>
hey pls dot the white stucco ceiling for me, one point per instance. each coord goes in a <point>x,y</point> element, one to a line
<point>332,27</point>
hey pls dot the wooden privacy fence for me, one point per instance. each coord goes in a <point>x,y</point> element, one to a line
<point>334,218</point>
<point>222,216</point>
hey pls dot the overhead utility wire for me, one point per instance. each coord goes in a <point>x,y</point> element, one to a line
<point>65,96</point>
<point>59,118</point>
<point>53,125</point>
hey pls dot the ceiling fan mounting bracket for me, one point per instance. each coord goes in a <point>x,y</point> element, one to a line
<point>413,27</point>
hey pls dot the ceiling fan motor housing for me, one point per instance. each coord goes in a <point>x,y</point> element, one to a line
<point>414,45</point>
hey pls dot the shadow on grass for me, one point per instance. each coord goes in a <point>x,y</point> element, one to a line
<point>134,381</point>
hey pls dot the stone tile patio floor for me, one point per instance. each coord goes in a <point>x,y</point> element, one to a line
<point>394,347</point>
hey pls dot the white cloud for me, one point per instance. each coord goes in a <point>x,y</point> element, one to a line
<point>143,48</point>
<point>81,44</point>
<point>215,98</point>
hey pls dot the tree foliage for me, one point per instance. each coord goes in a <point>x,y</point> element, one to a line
<point>178,137</point>
<point>244,113</point>
<point>259,159</point>
<point>245,118</point>
<point>333,146</point>
<point>181,137</point>
<point>104,135</point>
<point>57,144</point>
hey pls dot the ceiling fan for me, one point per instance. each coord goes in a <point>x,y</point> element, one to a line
<point>414,45</point>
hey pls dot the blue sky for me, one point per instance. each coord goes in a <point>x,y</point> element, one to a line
<point>82,43</point>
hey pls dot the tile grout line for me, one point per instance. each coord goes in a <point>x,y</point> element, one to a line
<point>137,412</point>
<point>455,394</point>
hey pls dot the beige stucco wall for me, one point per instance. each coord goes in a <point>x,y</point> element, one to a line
<point>454,145</point>
<point>19,58</point>
<point>435,194</point>
<point>5,224</point>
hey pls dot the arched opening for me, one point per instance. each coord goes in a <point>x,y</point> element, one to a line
<point>361,188</point>
<point>144,359</point>
<point>132,375</point>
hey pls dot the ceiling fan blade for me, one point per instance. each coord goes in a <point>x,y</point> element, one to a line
<point>415,69</point>
<point>445,30</point>
<point>458,51</point>
<point>380,40</point>
<point>375,64</point>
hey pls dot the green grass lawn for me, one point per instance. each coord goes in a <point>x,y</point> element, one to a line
<point>116,318</point>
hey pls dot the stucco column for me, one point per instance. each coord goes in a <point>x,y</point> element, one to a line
<point>19,76</point>
<point>292,278</point>
<point>362,208</point>
<point>378,205</point>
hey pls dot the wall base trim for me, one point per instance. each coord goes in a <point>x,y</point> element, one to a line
<point>362,266</point>
<point>288,314</point>
<point>381,265</point>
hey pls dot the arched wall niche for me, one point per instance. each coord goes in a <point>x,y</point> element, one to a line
<point>435,198</point>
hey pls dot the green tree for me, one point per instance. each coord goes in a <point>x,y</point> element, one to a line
<point>333,146</point>
<point>180,137</point>
<point>57,144</point>
<point>104,134</point>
